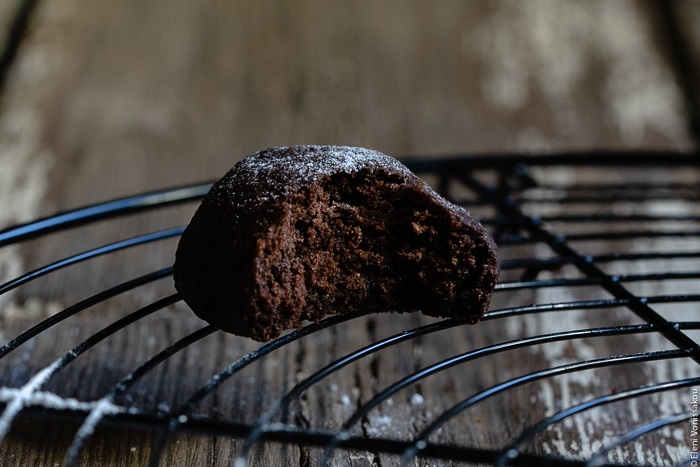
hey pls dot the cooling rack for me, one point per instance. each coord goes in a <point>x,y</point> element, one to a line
<point>562,222</point>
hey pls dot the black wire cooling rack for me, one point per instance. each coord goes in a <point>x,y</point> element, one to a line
<point>588,209</point>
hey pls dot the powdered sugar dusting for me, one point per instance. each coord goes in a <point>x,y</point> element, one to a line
<point>49,400</point>
<point>17,398</point>
<point>98,410</point>
<point>23,395</point>
<point>306,163</point>
<point>275,173</point>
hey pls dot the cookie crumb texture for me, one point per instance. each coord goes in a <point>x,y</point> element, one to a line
<point>293,234</point>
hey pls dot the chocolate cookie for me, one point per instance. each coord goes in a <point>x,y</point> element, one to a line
<point>293,234</point>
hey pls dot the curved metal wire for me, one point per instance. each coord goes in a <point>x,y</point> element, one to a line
<point>588,237</point>
<point>666,276</point>
<point>413,378</point>
<point>511,452</point>
<point>112,247</point>
<point>598,458</point>
<point>638,305</point>
<point>102,211</point>
<point>182,415</point>
<point>593,217</point>
<point>103,405</point>
<point>420,440</point>
<point>606,303</point>
<point>38,380</point>
<point>296,435</point>
<point>607,258</point>
<point>80,306</point>
<point>262,424</point>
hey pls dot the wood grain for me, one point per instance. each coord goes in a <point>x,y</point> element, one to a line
<point>116,98</point>
<point>8,12</point>
<point>687,15</point>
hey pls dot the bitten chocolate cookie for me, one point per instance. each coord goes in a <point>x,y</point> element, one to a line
<point>293,234</point>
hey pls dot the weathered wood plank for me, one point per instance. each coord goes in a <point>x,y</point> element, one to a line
<point>9,9</point>
<point>687,17</point>
<point>130,96</point>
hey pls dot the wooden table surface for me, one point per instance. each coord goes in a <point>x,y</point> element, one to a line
<point>101,100</point>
